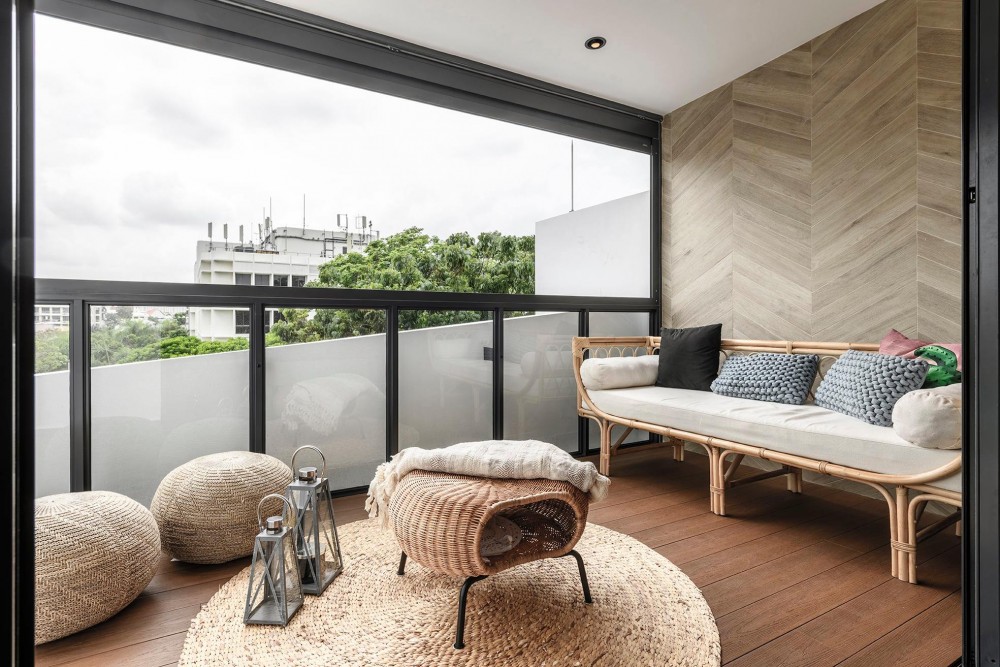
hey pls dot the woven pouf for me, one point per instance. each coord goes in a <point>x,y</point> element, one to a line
<point>207,508</point>
<point>94,553</point>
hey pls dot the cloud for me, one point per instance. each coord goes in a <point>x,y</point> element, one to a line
<point>140,144</point>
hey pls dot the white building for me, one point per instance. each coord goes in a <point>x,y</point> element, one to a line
<point>55,317</point>
<point>285,257</point>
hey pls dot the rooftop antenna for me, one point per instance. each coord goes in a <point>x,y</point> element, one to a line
<point>303,213</point>
<point>241,234</point>
<point>210,237</point>
<point>572,191</point>
<point>225,234</point>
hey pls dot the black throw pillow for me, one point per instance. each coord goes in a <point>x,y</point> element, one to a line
<point>689,358</point>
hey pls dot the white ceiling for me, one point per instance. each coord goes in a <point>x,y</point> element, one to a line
<point>660,54</point>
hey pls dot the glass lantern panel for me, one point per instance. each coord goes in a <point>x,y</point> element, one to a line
<point>328,527</point>
<point>292,585</point>
<point>275,592</point>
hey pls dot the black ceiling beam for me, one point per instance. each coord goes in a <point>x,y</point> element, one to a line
<point>272,35</point>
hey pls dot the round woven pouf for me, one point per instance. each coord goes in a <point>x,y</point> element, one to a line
<point>207,508</point>
<point>94,553</point>
<point>645,612</point>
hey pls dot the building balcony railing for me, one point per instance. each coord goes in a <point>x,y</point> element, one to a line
<point>361,398</point>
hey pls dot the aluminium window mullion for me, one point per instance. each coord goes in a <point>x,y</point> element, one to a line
<point>498,317</point>
<point>258,419</point>
<point>80,368</point>
<point>583,424</point>
<point>392,382</point>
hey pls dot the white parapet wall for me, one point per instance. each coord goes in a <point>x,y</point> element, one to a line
<point>150,417</point>
<point>600,250</point>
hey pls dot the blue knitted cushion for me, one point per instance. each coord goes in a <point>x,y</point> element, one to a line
<point>779,378</point>
<point>866,385</point>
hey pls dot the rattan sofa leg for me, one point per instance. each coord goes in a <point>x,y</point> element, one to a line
<point>402,564</point>
<point>605,460</point>
<point>904,552</point>
<point>679,452</point>
<point>794,480</point>
<point>895,536</point>
<point>712,505</point>
<point>718,482</point>
<point>914,536</point>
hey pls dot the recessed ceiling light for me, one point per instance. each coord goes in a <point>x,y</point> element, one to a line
<point>595,43</point>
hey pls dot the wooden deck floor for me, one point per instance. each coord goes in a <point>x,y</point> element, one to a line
<point>793,580</point>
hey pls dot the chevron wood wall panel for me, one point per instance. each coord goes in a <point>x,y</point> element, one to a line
<point>939,168</point>
<point>864,236</point>
<point>772,174</point>
<point>700,258</point>
<point>843,188</point>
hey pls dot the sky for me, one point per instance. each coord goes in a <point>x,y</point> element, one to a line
<point>140,144</point>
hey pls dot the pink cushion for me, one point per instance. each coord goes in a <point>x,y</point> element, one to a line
<point>898,344</point>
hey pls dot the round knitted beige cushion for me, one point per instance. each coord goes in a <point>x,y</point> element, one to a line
<point>207,508</point>
<point>94,553</point>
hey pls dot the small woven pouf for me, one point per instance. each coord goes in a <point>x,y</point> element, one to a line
<point>94,553</point>
<point>207,508</point>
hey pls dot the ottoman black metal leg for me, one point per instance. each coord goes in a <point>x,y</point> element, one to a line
<point>462,594</point>
<point>583,576</point>
<point>402,565</point>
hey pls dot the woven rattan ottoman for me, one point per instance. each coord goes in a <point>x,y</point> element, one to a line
<point>95,551</point>
<point>439,521</point>
<point>207,508</point>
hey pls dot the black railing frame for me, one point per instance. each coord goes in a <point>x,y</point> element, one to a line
<point>274,36</point>
<point>83,295</point>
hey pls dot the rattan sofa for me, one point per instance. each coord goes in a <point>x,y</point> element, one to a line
<point>797,438</point>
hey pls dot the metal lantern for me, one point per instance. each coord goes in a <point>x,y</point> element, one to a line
<point>316,545</point>
<point>275,590</point>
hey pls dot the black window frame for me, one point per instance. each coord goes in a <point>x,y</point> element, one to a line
<point>480,89</point>
<point>981,334</point>
<point>241,328</point>
<point>270,35</point>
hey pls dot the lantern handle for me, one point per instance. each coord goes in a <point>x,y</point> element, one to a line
<point>315,449</point>
<point>288,504</point>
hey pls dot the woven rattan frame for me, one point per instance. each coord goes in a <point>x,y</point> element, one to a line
<point>439,519</point>
<point>207,508</point>
<point>95,552</point>
<point>894,489</point>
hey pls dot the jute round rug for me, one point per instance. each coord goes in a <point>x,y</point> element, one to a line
<point>645,612</point>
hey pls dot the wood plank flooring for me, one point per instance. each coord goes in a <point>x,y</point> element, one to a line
<point>792,580</point>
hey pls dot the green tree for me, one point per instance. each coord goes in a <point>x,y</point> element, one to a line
<point>216,346</point>
<point>51,351</point>
<point>117,340</point>
<point>412,260</point>
<point>174,326</point>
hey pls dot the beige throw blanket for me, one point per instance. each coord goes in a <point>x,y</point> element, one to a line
<point>499,459</point>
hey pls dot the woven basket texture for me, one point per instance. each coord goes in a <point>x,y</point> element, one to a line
<point>94,553</point>
<point>439,519</point>
<point>646,612</point>
<point>207,508</point>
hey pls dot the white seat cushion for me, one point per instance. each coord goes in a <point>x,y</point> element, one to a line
<point>803,430</point>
